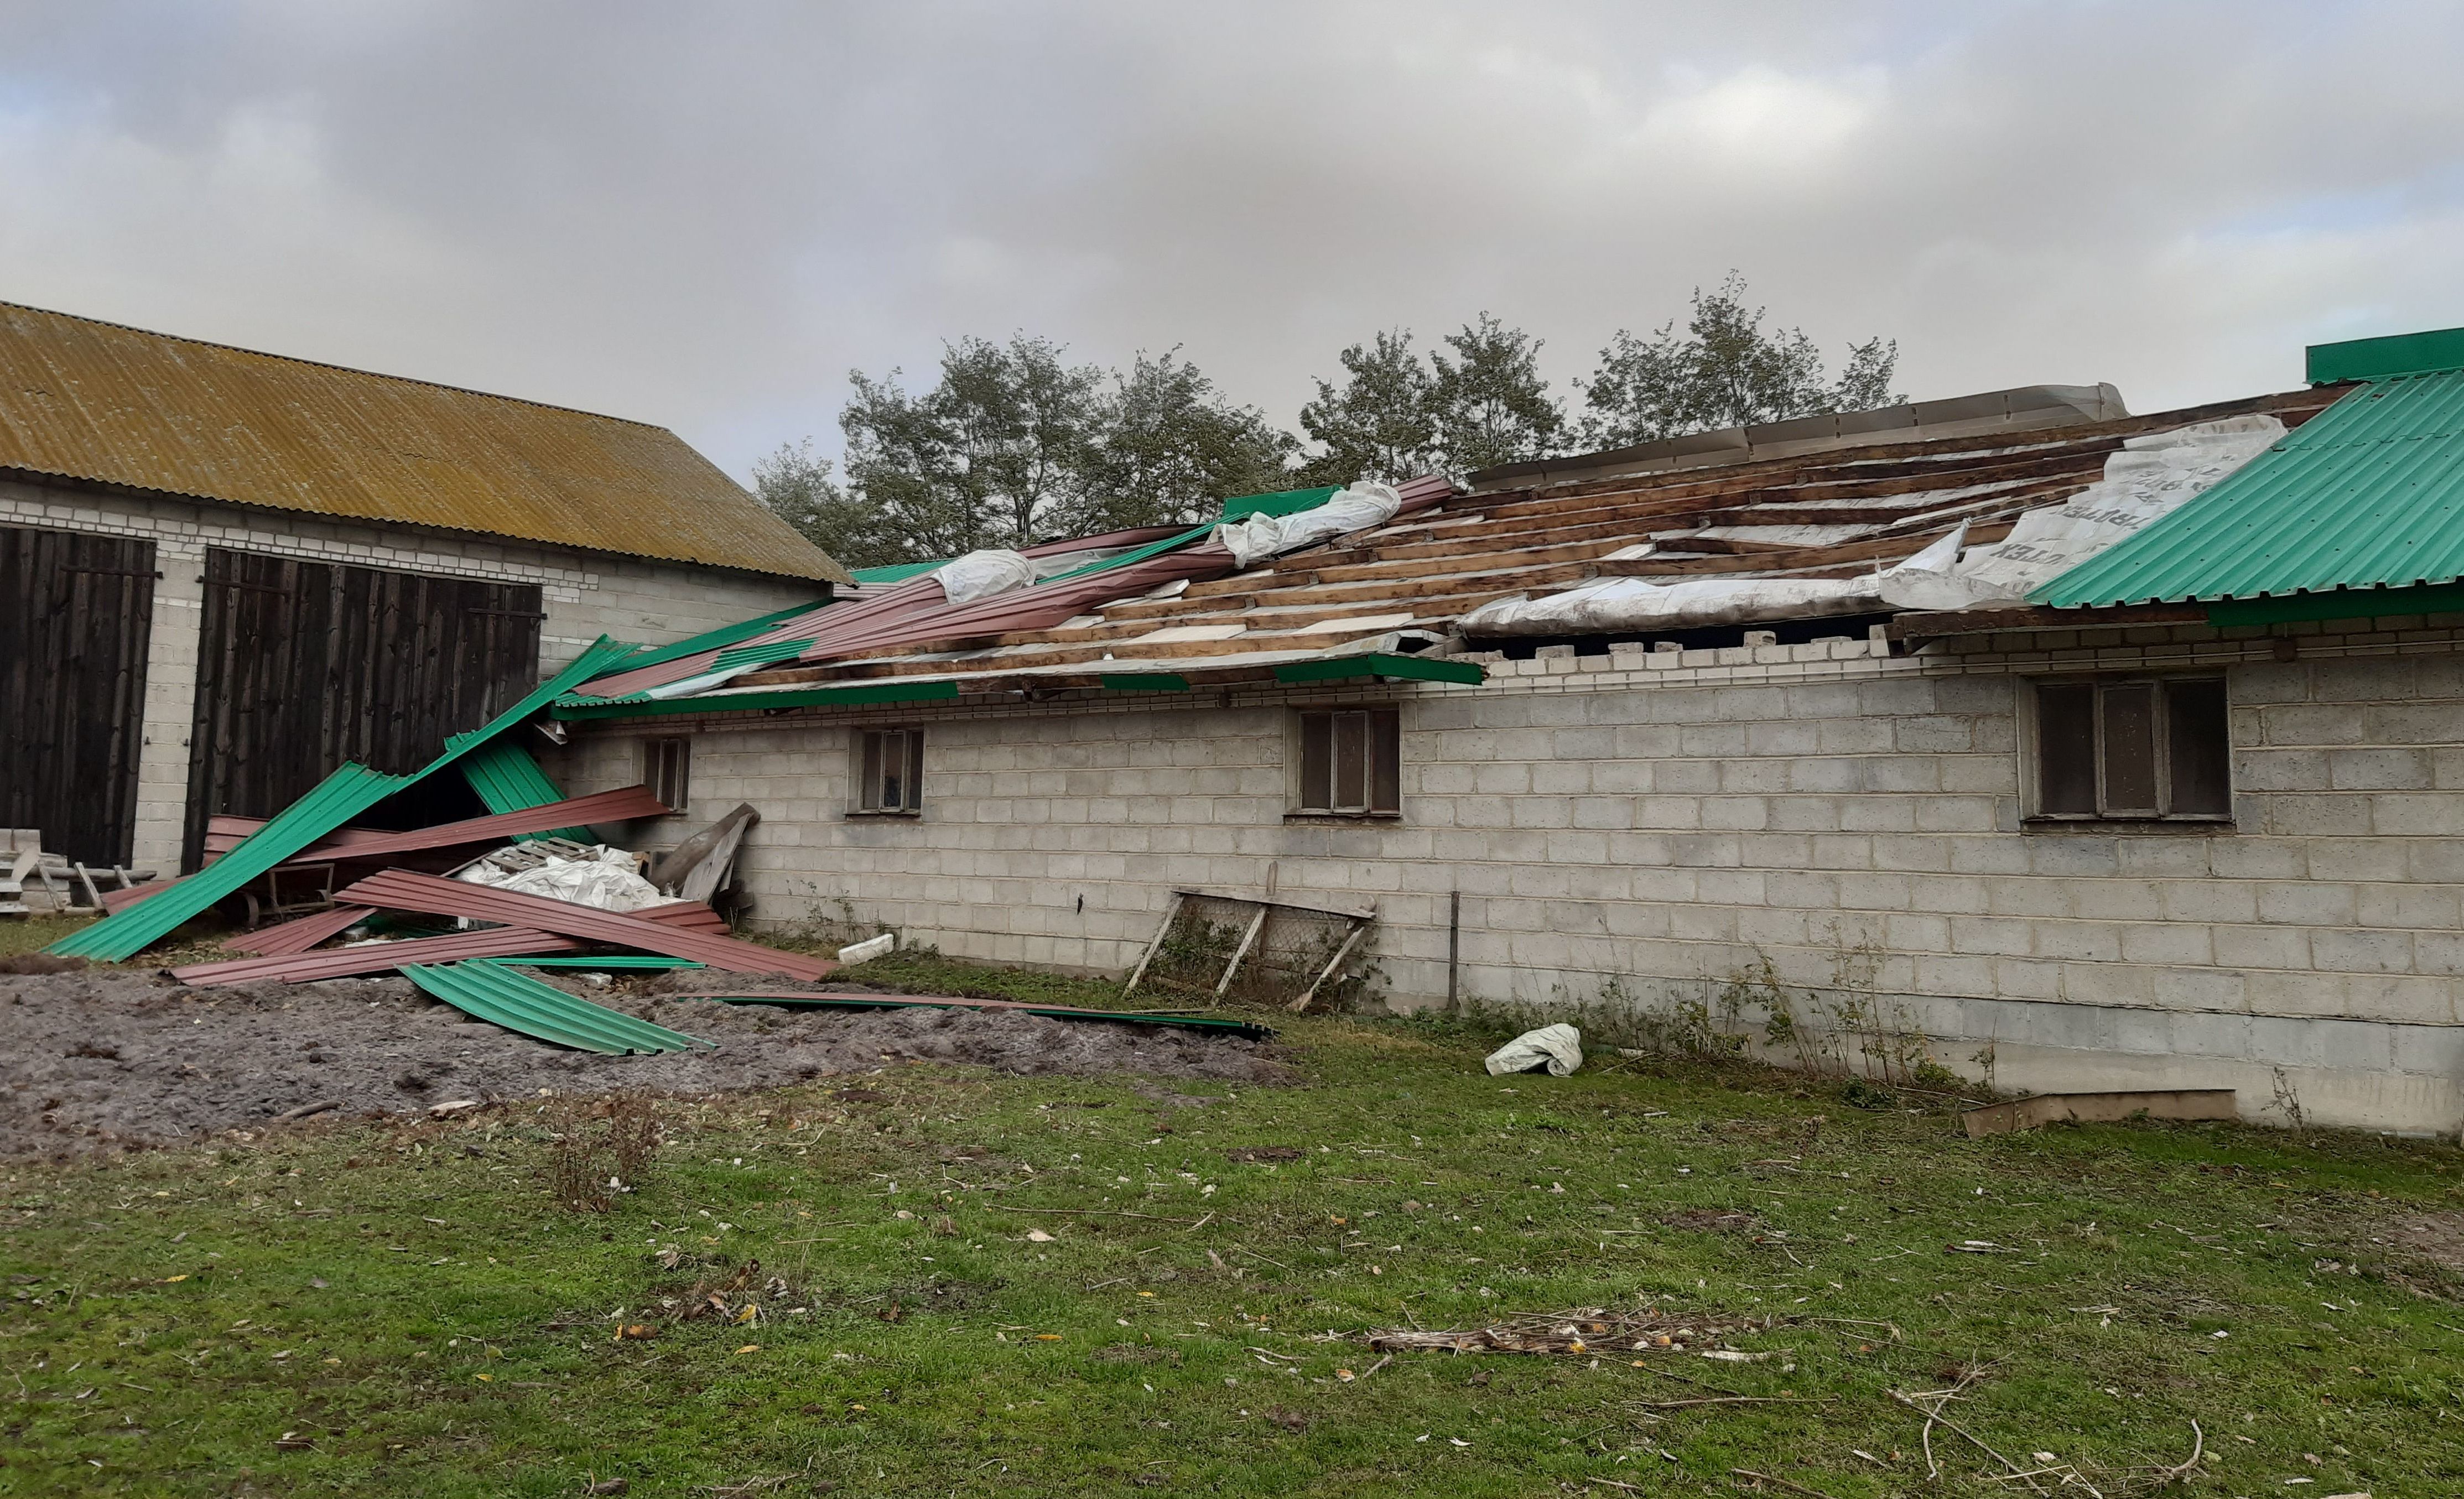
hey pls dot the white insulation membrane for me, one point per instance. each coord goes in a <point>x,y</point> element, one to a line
<point>2149,479</point>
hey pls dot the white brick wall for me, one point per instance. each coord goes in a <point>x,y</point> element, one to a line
<point>585,594</point>
<point>1663,818</point>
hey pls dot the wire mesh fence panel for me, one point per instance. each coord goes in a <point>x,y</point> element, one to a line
<point>1282,950</point>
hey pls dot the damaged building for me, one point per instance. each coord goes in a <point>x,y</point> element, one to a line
<point>2102,750</point>
<point>224,572</point>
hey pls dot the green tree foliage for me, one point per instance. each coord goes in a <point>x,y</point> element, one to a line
<point>1489,404</point>
<point>1014,444</point>
<point>984,458</point>
<point>1380,424</point>
<point>1168,449</point>
<point>1725,371</point>
<point>795,484</point>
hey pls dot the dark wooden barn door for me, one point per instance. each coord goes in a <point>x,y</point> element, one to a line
<point>305,665</point>
<point>74,613</point>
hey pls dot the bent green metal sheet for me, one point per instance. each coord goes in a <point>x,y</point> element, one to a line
<point>510,780</point>
<point>518,1003</point>
<point>350,792</point>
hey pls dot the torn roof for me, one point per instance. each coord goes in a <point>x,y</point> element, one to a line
<point>103,404</point>
<point>1386,601</point>
<point>2368,497</point>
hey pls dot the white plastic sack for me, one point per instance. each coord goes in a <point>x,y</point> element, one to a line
<point>1557,1048</point>
<point>1614,606</point>
<point>609,880</point>
<point>980,575</point>
<point>1355,509</point>
<point>2149,479</point>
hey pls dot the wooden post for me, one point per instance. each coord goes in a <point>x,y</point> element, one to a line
<point>1153,947</point>
<point>1350,939</point>
<point>1256,924</point>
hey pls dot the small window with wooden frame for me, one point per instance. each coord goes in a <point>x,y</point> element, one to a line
<point>667,769</point>
<point>2130,750</point>
<point>1349,762</point>
<point>889,773</point>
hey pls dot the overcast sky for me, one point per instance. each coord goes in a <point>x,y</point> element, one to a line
<point>704,214</point>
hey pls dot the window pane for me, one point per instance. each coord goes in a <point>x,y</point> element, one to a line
<point>2066,749</point>
<point>868,790</point>
<point>914,770</point>
<point>2197,736</point>
<point>1351,763</point>
<point>2129,750</point>
<point>1317,762</point>
<point>1385,762</point>
<point>894,771</point>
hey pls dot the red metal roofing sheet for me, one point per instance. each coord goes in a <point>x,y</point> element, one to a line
<point>344,963</point>
<point>298,937</point>
<point>400,890</point>
<point>360,845</point>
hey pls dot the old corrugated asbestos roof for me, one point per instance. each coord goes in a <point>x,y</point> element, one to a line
<point>96,401</point>
<point>1385,601</point>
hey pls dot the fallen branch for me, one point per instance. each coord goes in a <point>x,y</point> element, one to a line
<point>1382,1363</point>
<point>2180,1472</point>
<point>307,1110</point>
<point>1948,1424</point>
<point>1766,1477</point>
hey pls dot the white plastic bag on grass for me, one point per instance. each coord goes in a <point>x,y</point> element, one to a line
<point>1559,1048</point>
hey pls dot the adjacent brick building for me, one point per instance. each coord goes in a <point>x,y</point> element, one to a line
<point>222,572</point>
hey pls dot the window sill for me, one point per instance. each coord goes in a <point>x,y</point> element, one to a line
<point>2188,827</point>
<point>860,815</point>
<point>1343,817</point>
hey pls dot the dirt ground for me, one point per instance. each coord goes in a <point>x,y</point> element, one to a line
<point>103,1058</point>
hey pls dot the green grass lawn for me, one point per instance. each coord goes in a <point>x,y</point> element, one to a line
<point>406,1309</point>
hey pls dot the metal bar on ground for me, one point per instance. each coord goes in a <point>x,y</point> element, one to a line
<point>400,890</point>
<point>1248,1029</point>
<point>1170,912</point>
<point>609,960</point>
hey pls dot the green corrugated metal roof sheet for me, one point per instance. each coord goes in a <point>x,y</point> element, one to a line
<point>510,780</point>
<point>714,639</point>
<point>899,572</point>
<point>519,1002</point>
<point>838,696</point>
<point>2369,493</point>
<point>1390,668</point>
<point>343,795</point>
<point>350,790</point>
<point>1281,502</point>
